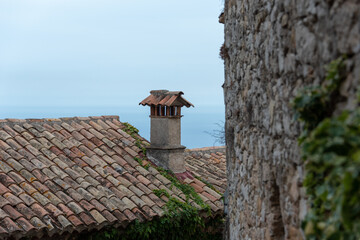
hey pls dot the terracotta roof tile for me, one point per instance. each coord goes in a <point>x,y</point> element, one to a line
<point>100,207</point>
<point>4,155</point>
<point>14,188</point>
<point>139,215</point>
<point>14,176</point>
<point>4,189</point>
<point>111,218</point>
<point>3,214</point>
<point>10,131</point>
<point>38,210</point>
<point>40,187</point>
<point>61,175</point>
<point>123,181</point>
<point>4,135</point>
<point>48,135</point>
<point>26,154</point>
<point>99,152</point>
<point>76,126</point>
<point>6,180</point>
<point>47,154</point>
<point>129,215</point>
<point>14,154</point>
<point>147,201</point>
<point>75,207</point>
<point>143,180</point>
<point>4,145</point>
<point>65,209</point>
<point>18,128</point>
<point>75,221</point>
<point>64,221</point>
<point>37,164</point>
<point>65,198</point>
<point>158,210</point>
<point>165,98</point>
<point>10,225</point>
<point>87,219</point>
<point>136,190</point>
<point>25,211</point>
<point>208,163</point>
<point>27,199</point>
<point>21,141</point>
<point>14,164</point>
<point>52,198</point>
<point>144,189</point>
<point>86,205</point>
<point>5,167</point>
<point>36,222</point>
<point>121,216</point>
<point>12,143</point>
<point>53,210</point>
<point>153,180</point>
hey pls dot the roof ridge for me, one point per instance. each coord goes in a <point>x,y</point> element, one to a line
<point>62,119</point>
<point>205,149</point>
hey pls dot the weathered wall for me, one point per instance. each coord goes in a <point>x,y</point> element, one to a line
<point>274,49</point>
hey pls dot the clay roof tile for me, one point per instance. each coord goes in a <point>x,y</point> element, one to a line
<point>75,174</point>
<point>166,98</point>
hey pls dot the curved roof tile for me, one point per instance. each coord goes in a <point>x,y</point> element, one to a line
<point>75,174</point>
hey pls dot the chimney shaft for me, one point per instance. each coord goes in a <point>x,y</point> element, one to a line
<point>165,148</point>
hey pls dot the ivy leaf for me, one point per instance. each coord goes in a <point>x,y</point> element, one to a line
<point>356,156</point>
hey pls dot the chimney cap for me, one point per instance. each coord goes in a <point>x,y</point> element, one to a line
<point>166,98</point>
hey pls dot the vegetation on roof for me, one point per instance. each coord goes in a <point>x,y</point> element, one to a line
<point>189,219</point>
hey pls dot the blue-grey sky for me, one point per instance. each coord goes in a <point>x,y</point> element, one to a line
<point>108,52</point>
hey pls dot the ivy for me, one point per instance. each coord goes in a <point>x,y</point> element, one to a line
<point>188,190</point>
<point>332,154</point>
<point>130,129</point>
<point>316,103</point>
<point>178,227</point>
<point>161,192</point>
<point>134,133</point>
<point>331,151</point>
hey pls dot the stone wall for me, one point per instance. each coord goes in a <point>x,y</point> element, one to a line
<point>273,49</point>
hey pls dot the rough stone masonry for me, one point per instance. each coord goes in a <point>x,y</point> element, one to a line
<point>274,48</point>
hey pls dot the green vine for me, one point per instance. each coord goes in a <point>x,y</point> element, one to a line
<point>316,103</point>
<point>134,132</point>
<point>331,151</point>
<point>176,227</point>
<point>188,190</point>
<point>181,220</point>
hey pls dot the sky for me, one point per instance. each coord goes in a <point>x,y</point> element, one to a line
<point>64,58</point>
<point>108,52</point>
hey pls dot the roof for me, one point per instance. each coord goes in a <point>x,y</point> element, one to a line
<point>166,98</point>
<point>59,176</point>
<point>209,163</point>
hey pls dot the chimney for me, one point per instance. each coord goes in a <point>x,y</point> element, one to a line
<point>165,148</point>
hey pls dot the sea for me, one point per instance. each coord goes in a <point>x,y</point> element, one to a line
<point>198,124</point>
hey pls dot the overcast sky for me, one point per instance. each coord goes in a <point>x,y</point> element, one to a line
<point>108,52</point>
